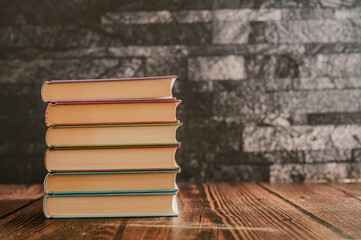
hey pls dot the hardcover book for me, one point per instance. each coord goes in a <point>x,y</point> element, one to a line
<point>110,182</point>
<point>107,89</point>
<point>116,112</point>
<point>111,159</point>
<point>110,205</point>
<point>112,135</point>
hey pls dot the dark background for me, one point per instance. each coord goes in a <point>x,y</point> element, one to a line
<point>271,90</point>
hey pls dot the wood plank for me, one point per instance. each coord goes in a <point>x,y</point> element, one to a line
<point>353,189</point>
<point>328,205</point>
<point>13,197</point>
<point>207,211</point>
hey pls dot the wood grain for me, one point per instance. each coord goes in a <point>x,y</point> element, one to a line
<point>352,189</point>
<point>207,211</point>
<point>13,197</point>
<point>329,206</point>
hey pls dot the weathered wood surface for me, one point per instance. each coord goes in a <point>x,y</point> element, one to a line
<point>13,197</point>
<point>325,203</point>
<point>207,211</point>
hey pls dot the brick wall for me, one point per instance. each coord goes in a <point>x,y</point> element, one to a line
<point>271,89</point>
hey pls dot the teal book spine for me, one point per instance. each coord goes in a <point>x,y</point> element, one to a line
<point>170,191</point>
<point>174,214</point>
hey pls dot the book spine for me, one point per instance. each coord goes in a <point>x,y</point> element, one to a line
<point>46,137</point>
<point>44,207</point>
<point>46,115</point>
<point>45,159</point>
<point>42,91</point>
<point>45,183</point>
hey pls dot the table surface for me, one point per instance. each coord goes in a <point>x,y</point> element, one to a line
<point>207,211</point>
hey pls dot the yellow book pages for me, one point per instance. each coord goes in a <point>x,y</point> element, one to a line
<point>110,182</point>
<point>108,89</point>
<point>112,135</point>
<point>111,159</point>
<point>110,206</point>
<point>155,111</point>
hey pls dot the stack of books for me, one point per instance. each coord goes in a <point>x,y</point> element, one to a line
<point>111,148</point>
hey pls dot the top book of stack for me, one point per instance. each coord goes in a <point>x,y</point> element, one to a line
<point>147,88</point>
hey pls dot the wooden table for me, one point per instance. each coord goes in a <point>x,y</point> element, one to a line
<point>207,211</point>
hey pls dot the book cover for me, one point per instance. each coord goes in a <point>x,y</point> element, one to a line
<point>53,82</point>
<point>110,192</point>
<point>146,102</point>
<point>174,213</point>
<point>110,126</point>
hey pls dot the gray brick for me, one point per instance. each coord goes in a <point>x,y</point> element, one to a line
<point>164,16</point>
<point>192,16</point>
<point>307,13</point>
<point>331,48</point>
<point>321,171</point>
<point>233,27</point>
<point>333,65</point>
<point>243,15</point>
<point>323,137</point>
<point>328,155</point>
<point>136,17</point>
<point>216,68</point>
<point>40,70</point>
<point>319,101</point>
<point>348,13</point>
<point>65,37</point>
<point>316,83</point>
<point>233,32</point>
<point>279,66</point>
<point>163,66</point>
<point>334,118</point>
<point>313,31</point>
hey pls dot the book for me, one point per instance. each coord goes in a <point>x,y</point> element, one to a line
<point>110,182</point>
<point>116,112</point>
<point>111,159</point>
<point>112,135</point>
<point>107,89</point>
<point>111,205</point>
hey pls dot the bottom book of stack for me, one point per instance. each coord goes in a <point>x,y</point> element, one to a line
<point>110,194</point>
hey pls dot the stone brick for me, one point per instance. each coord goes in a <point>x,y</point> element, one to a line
<point>280,66</point>
<point>136,17</point>
<point>243,15</point>
<point>321,171</point>
<point>319,101</point>
<point>150,17</point>
<point>334,118</point>
<point>356,155</point>
<point>335,65</point>
<point>232,32</point>
<point>249,49</point>
<point>65,37</point>
<point>165,66</point>
<point>233,27</point>
<point>313,31</point>
<point>328,155</point>
<point>39,70</point>
<point>192,16</point>
<point>212,137</point>
<point>322,137</point>
<point>307,13</point>
<point>331,48</point>
<point>348,13</point>
<point>237,103</point>
<point>216,68</point>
